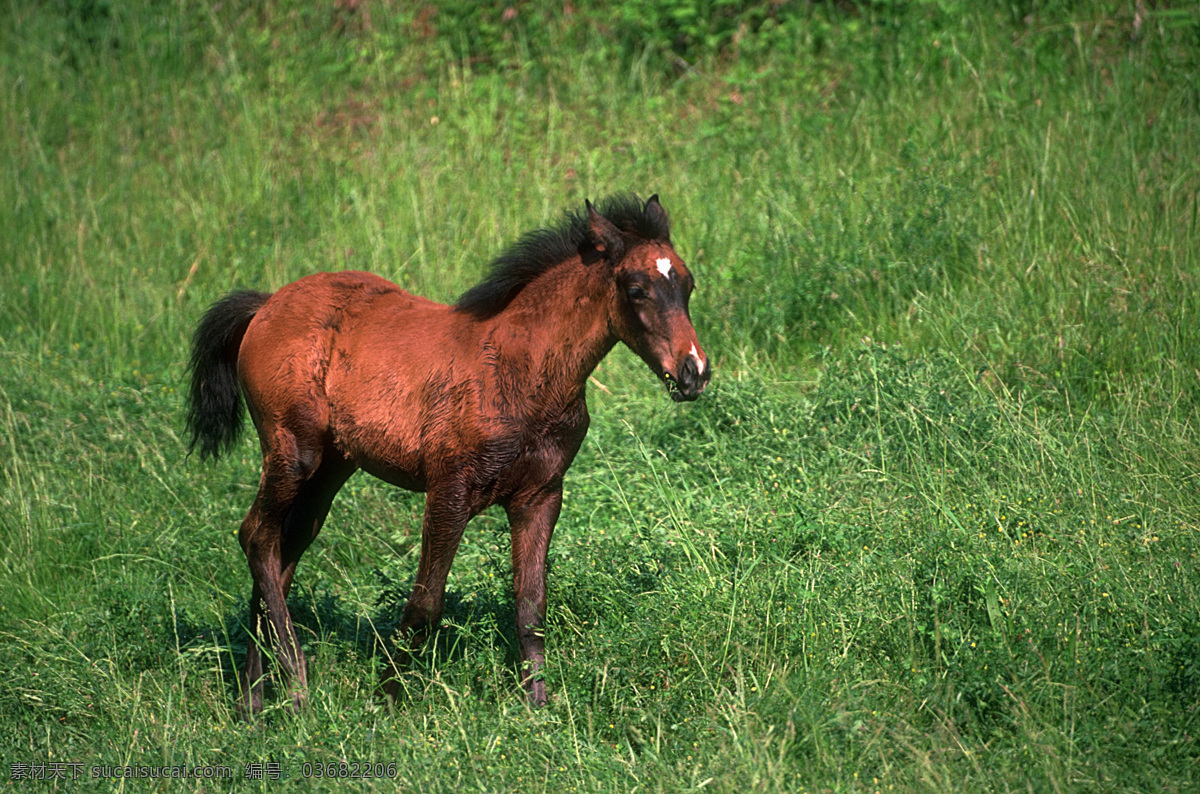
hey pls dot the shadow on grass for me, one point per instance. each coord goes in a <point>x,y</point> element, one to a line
<point>474,626</point>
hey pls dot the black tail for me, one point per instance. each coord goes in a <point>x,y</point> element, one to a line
<point>215,403</point>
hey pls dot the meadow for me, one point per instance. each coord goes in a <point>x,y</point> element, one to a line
<point>933,527</point>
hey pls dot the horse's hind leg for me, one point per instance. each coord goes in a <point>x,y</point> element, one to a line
<point>252,673</point>
<point>308,512</point>
<point>251,678</point>
<point>300,528</point>
<point>292,503</point>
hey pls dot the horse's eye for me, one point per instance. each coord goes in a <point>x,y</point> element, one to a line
<point>636,293</point>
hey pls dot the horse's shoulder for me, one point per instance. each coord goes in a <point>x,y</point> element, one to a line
<point>562,432</point>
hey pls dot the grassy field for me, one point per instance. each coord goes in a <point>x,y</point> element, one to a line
<point>932,528</point>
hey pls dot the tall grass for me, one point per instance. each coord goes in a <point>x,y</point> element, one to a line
<point>933,527</point>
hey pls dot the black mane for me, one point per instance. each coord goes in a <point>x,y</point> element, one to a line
<point>538,251</point>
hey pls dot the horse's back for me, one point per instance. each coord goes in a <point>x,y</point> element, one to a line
<point>294,333</point>
<point>349,358</point>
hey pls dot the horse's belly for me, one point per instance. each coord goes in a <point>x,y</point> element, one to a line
<point>385,442</point>
<point>395,475</point>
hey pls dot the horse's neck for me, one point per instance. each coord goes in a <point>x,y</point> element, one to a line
<point>558,327</point>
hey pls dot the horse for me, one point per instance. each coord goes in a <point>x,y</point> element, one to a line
<point>475,404</point>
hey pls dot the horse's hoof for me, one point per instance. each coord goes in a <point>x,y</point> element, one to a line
<point>389,687</point>
<point>537,694</point>
<point>299,699</point>
<point>249,707</point>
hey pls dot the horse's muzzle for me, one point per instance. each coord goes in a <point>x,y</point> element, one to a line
<point>691,381</point>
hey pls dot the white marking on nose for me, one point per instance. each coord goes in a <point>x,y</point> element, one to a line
<point>664,266</point>
<point>699,361</point>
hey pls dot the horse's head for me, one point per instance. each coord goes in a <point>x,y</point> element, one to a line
<point>650,305</point>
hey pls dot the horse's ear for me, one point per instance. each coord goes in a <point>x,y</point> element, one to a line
<point>654,212</point>
<point>603,236</point>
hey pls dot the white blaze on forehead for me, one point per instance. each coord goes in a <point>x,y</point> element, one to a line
<point>664,266</point>
<point>699,361</point>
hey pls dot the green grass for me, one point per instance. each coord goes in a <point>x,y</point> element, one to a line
<point>933,527</point>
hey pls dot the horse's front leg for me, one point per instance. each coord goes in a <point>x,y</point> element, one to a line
<point>446,515</point>
<point>532,518</point>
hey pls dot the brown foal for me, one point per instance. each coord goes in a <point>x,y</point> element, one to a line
<point>476,404</point>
